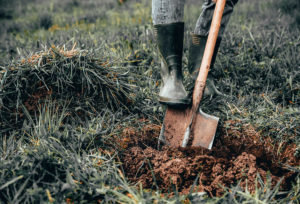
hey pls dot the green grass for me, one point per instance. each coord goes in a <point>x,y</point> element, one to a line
<point>61,151</point>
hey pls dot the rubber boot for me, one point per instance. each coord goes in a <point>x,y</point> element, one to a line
<point>170,45</point>
<point>196,52</point>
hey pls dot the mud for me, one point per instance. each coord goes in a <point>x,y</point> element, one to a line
<point>238,156</point>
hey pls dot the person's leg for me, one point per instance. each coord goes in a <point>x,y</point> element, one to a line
<point>167,11</point>
<point>205,18</point>
<point>168,23</point>
<point>200,34</point>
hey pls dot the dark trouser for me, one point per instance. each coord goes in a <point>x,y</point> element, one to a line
<point>172,11</point>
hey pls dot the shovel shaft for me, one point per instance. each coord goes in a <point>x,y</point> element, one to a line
<point>208,53</point>
<point>204,68</point>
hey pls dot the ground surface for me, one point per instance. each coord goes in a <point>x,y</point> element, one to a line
<point>79,116</point>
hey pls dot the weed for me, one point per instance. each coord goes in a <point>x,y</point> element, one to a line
<point>45,20</point>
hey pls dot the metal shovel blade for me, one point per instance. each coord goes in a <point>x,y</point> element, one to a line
<point>202,133</point>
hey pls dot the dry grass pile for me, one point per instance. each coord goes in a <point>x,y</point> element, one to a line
<point>74,76</point>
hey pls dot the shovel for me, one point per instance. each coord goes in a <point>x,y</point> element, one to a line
<point>191,126</point>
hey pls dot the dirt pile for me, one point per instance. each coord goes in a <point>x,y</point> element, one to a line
<point>238,155</point>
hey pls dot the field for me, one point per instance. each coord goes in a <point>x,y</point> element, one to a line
<point>80,119</point>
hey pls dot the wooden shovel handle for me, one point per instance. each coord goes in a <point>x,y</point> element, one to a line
<point>208,53</point>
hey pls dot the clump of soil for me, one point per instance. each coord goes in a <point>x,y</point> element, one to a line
<point>238,155</point>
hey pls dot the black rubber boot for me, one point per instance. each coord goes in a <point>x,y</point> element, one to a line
<point>196,52</point>
<point>170,44</point>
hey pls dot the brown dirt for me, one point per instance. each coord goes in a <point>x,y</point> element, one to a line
<point>238,155</point>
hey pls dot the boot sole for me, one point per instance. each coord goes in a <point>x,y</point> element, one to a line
<point>178,103</point>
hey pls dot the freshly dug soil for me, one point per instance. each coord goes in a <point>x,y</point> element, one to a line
<point>238,155</point>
